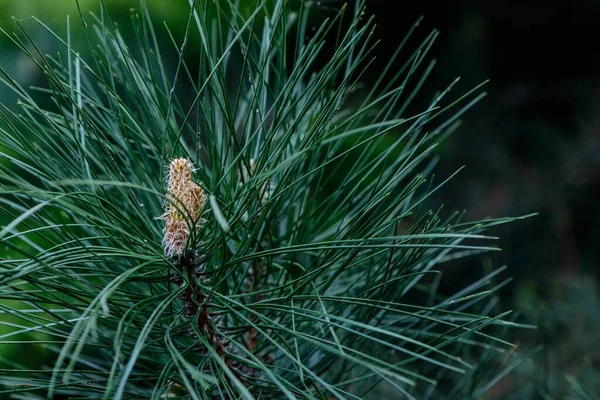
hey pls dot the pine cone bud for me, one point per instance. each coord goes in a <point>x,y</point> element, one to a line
<point>184,204</point>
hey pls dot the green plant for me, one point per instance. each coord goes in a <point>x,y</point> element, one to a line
<point>305,268</point>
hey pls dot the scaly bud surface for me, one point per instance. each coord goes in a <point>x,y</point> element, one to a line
<point>183,206</point>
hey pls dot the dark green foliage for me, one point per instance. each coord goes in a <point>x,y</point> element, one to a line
<point>315,274</point>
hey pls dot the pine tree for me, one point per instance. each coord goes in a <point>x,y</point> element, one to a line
<point>251,223</point>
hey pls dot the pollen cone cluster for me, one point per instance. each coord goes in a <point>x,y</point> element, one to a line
<point>184,204</point>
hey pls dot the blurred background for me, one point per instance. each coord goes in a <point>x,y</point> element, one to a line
<point>532,145</point>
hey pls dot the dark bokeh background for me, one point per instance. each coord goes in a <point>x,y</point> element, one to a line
<point>532,145</point>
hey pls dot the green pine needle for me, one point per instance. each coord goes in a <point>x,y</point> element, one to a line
<point>314,269</point>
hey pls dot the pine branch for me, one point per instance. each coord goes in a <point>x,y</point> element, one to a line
<point>239,218</point>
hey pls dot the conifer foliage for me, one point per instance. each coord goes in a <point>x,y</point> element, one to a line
<point>251,222</point>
